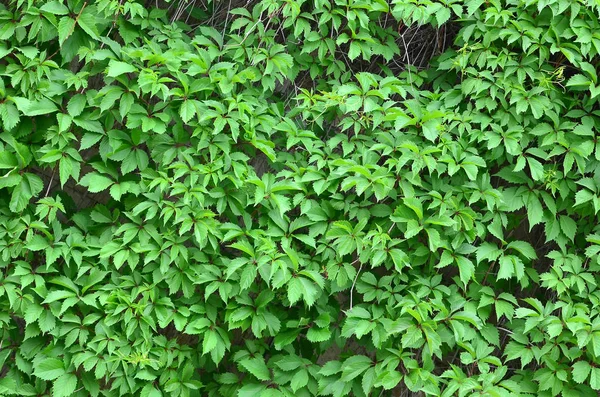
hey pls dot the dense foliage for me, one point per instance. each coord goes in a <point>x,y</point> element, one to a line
<point>299,198</point>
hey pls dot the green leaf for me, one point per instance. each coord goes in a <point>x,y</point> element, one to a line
<point>29,187</point>
<point>535,168</point>
<point>316,335</point>
<point>187,110</point>
<point>209,342</point>
<point>87,22</point>
<point>595,378</point>
<point>40,107</point>
<point>568,227</point>
<point>76,105</point>
<point>581,371</point>
<point>65,29</point>
<point>49,369</point>
<point>54,296</point>
<point>442,16</point>
<point>299,380</point>
<point>47,321</point>
<point>390,379</point>
<point>252,390</point>
<point>150,391</point>
<point>354,50</point>
<point>430,130</point>
<point>354,366</point>
<point>8,386</point>
<point>55,7</point>
<point>9,115</point>
<point>257,367</point>
<point>64,385</point>
<point>466,269</point>
<point>523,248</point>
<point>507,267</point>
<point>578,80</point>
<point>37,243</point>
<point>117,68</point>
<point>295,290</point>
<point>95,182</point>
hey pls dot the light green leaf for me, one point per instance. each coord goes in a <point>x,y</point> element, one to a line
<point>40,107</point>
<point>466,269</point>
<point>299,380</point>
<point>578,80</point>
<point>581,370</point>
<point>523,248</point>
<point>65,29</point>
<point>96,182</point>
<point>568,226</point>
<point>87,22</point>
<point>37,243</point>
<point>64,386</point>
<point>49,369</point>
<point>354,366</point>
<point>257,367</point>
<point>117,68</point>
<point>55,7</point>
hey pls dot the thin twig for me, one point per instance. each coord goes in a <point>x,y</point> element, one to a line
<point>226,21</point>
<point>353,284</point>
<point>114,23</point>
<point>50,183</point>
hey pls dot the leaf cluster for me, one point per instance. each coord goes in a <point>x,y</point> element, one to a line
<point>273,198</point>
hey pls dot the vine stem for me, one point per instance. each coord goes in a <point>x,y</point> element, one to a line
<point>353,285</point>
<point>50,183</point>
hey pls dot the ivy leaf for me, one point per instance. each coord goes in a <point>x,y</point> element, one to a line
<point>187,110</point>
<point>65,29</point>
<point>354,366</point>
<point>87,22</point>
<point>209,342</point>
<point>49,369</point>
<point>466,269</point>
<point>54,296</point>
<point>507,267</point>
<point>64,385</point>
<point>595,378</point>
<point>535,168</point>
<point>390,379</point>
<point>257,367</point>
<point>37,243</point>
<point>95,182</point>
<point>55,7</point>
<point>9,115</point>
<point>150,391</point>
<point>581,371</point>
<point>430,130</point>
<point>523,248</point>
<point>578,80</point>
<point>299,380</point>
<point>47,322</point>
<point>117,68</point>
<point>442,16</point>
<point>568,227</point>
<point>76,105</point>
<point>354,50</point>
<point>315,334</point>
<point>29,187</point>
<point>40,107</point>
